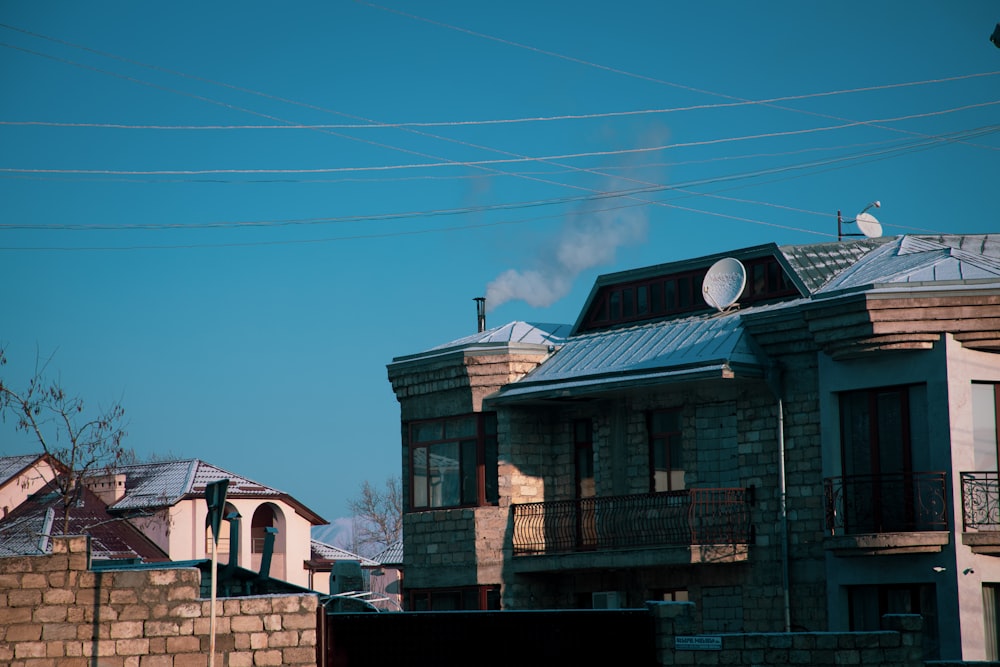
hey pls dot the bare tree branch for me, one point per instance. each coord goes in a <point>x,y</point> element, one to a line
<point>378,516</point>
<point>84,446</point>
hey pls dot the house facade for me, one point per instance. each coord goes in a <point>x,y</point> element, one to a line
<point>822,454</point>
<point>165,502</point>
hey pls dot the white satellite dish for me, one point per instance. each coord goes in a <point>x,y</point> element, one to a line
<point>868,225</point>
<point>724,283</point>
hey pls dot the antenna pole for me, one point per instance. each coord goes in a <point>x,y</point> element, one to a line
<point>840,220</point>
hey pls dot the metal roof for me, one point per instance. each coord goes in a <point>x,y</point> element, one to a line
<point>165,483</point>
<point>324,551</point>
<point>706,345</point>
<point>391,555</point>
<point>24,531</point>
<point>817,263</point>
<point>915,260</point>
<point>12,466</point>
<point>506,336</point>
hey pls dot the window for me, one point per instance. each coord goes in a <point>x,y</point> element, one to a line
<point>985,399</point>
<point>670,595</point>
<point>868,604</point>
<point>453,462</point>
<point>885,454</point>
<point>665,462</point>
<point>466,598</point>
<point>681,292</point>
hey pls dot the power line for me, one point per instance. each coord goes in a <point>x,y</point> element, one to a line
<point>495,121</point>
<point>513,160</point>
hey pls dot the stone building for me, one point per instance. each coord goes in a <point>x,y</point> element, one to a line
<point>818,454</point>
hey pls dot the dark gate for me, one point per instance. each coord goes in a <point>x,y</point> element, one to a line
<point>488,638</point>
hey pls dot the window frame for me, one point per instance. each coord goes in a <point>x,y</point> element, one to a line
<point>668,444</point>
<point>487,598</point>
<point>484,473</point>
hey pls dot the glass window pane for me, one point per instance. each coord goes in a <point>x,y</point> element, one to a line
<point>419,476</point>
<point>642,300</point>
<point>426,431</point>
<point>984,427</point>
<point>615,305</point>
<point>628,302</point>
<point>656,298</point>
<point>470,470</point>
<point>444,475</point>
<point>460,428</point>
<point>684,292</point>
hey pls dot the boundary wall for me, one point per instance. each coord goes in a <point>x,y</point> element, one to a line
<point>56,612</point>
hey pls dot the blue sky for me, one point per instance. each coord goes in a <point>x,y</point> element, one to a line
<point>232,216</point>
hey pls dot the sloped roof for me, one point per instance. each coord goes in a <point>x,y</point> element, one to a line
<point>151,486</point>
<point>391,555</point>
<point>12,466</point>
<point>713,345</point>
<point>694,347</point>
<point>24,531</point>
<point>324,551</point>
<point>910,259</point>
<point>817,263</point>
<point>507,336</point>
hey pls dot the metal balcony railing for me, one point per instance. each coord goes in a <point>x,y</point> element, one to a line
<point>890,503</point>
<point>690,517</point>
<point>980,501</point>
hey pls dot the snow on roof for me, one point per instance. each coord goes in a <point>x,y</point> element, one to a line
<point>165,483</point>
<point>324,551</point>
<point>511,334</point>
<point>12,466</point>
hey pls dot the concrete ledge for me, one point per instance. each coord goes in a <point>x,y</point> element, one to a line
<point>879,544</point>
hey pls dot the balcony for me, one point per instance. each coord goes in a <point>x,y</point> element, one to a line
<point>696,519</point>
<point>883,514</point>
<point>981,512</point>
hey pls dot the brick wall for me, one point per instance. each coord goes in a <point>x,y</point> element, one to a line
<point>54,612</point>
<point>899,644</point>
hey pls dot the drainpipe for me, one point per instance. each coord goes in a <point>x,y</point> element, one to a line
<point>775,382</point>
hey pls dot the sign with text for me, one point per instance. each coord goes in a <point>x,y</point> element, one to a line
<point>702,643</point>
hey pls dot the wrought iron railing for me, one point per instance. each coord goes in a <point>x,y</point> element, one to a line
<point>690,517</point>
<point>889,503</point>
<point>980,501</point>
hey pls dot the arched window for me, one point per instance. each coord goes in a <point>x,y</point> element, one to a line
<point>267,516</point>
<point>223,548</point>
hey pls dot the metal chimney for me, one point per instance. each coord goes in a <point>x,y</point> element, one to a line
<point>480,313</point>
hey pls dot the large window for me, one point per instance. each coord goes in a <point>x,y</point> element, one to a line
<point>665,463</point>
<point>466,598</point>
<point>887,486</point>
<point>985,399</point>
<point>453,462</point>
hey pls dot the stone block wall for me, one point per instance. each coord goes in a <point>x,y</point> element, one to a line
<point>898,644</point>
<point>56,612</point>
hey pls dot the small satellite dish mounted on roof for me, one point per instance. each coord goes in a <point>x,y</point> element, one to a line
<point>865,221</point>
<point>724,283</point>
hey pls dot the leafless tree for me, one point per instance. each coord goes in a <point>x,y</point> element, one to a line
<point>378,516</point>
<point>84,443</point>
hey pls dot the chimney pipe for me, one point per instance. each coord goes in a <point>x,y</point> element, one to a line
<point>480,313</point>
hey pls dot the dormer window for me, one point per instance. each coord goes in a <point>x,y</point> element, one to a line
<point>679,293</point>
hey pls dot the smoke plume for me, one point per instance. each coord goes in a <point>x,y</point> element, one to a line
<point>588,239</point>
